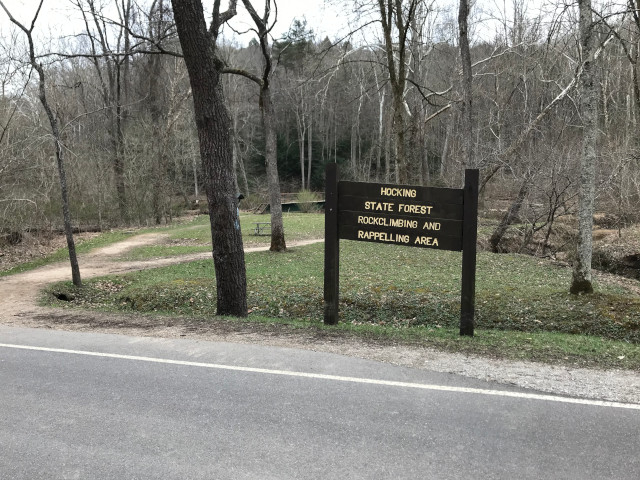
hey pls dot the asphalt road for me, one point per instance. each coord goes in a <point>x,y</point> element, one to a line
<point>92,406</point>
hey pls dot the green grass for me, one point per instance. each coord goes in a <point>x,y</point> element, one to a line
<point>84,246</point>
<point>159,251</point>
<point>195,236</point>
<point>403,294</point>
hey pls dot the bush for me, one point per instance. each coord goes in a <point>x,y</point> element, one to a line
<point>306,201</point>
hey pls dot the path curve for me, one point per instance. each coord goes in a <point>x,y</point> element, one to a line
<point>20,292</point>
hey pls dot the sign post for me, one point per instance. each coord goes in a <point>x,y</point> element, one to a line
<point>469,239</point>
<point>331,246</point>
<point>425,217</point>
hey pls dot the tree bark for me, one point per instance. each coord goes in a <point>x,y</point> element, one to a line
<point>278,243</point>
<point>156,107</point>
<point>301,122</point>
<point>581,282</point>
<point>392,12</point>
<point>157,167</point>
<point>467,84</point>
<point>214,126</point>
<point>309,151</point>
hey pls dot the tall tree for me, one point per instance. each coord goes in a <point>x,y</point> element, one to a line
<point>467,85</point>
<point>160,111</point>
<point>111,63</point>
<point>292,52</point>
<point>200,50</point>
<point>396,17</point>
<point>506,156</point>
<point>57,139</point>
<point>630,43</point>
<point>588,106</point>
<point>268,122</point>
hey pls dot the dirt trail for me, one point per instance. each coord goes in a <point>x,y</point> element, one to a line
<point>20,292</point>
<point>18,307</point>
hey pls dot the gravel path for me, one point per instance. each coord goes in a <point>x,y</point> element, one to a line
<point>18,307</point>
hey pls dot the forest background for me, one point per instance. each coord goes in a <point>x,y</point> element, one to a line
<point>387,108</point>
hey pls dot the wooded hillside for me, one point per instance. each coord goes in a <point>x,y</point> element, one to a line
<point>388,106</point>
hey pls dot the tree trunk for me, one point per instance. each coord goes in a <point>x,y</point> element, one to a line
<point>155,108</point>
<point>396,19</point>
<point>445,148</point>
<point>512,213</point>
<point>268,122</point>
<point>194,168</point>
<point>214,127</point>
<point>309,151</point>
<point>581,282</point>
<point>66,215</point>
<point>387,153</point>
<point>301,139</point>
<point>380,139</point>
<point>467,83</point>
<point>400,152</point>
<point>271,156</point>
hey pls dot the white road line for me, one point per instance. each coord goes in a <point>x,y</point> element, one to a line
<point>337,378</point>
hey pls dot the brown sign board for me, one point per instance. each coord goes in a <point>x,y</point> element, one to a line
<point>424,217</point>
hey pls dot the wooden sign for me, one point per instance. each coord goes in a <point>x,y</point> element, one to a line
<point>424,217</point>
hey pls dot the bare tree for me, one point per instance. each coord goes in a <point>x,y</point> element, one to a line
<point>628,35</point>
<point>396,18</point>
<point>516,146</point>
<point>581,282</point>
<point>200,50</point>
<point>57,139</point>
<point>268,122</point>
<point>111,63</point>
<point>467,85</point>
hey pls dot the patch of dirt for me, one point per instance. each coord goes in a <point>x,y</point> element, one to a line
<point>18,307</point>
<point>33,247</point>
<point>619,253</point>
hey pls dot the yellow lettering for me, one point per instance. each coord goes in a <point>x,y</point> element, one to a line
<point>431,226</point>
<point>417,209</point>
<point>427,241</point>
<point>379,206</point>
<point>398,192</point>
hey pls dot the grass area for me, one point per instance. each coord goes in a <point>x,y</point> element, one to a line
<point>195,236</point>
<point>159,251</point>
<point>83,246</point>
<point>405,295</point>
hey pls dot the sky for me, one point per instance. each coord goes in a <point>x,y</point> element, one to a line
<point>325,17</point>
<point>58,16</point>
<point>322,17</point>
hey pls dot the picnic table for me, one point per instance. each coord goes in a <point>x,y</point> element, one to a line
<point>262,228</point>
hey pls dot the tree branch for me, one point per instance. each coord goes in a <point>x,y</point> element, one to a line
<point>242,73</point>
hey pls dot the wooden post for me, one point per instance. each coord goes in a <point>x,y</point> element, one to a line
<point>331,246</point>
<point>469,238</point>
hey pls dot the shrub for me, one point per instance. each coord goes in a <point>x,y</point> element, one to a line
<point>306,201</point>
